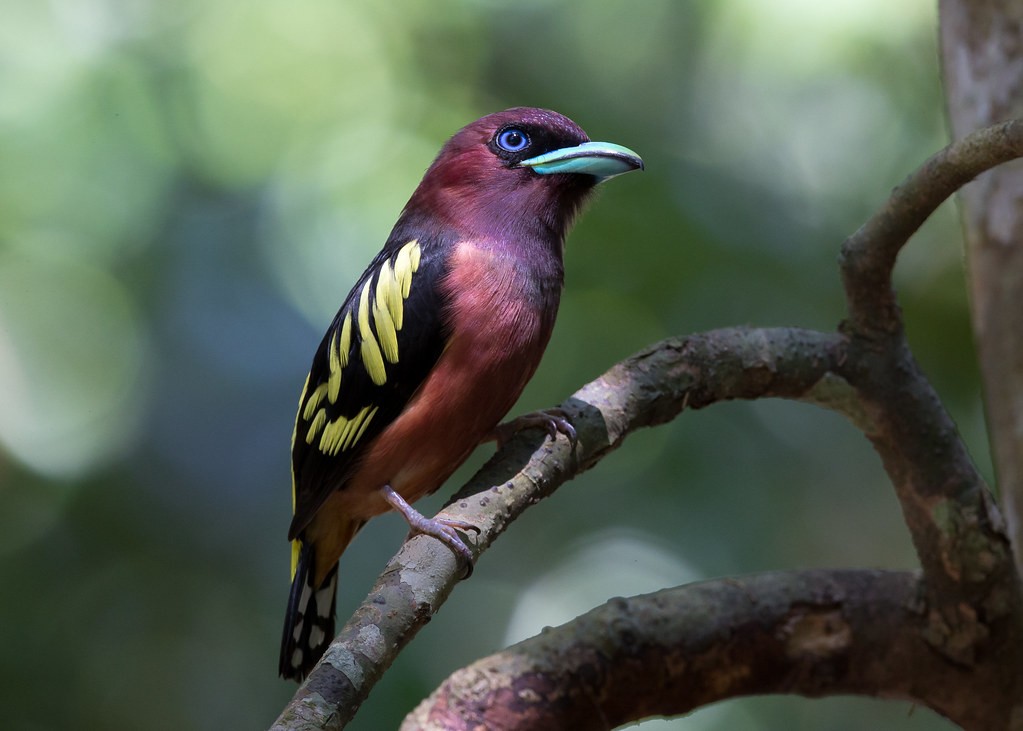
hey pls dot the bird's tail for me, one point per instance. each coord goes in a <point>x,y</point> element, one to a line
<point>309,623</point>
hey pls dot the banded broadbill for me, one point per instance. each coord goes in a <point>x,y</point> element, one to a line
<point>434,344</point>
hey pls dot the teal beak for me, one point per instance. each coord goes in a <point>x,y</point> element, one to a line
<point>602,160</point>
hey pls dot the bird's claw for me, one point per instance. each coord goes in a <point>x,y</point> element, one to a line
<point>557,423</point>
<point>443,529</point>
<point>554,421</point>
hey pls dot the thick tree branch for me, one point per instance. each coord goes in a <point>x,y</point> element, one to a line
<point>958,532</point>
<point>812,633</point>
<point>650,388</point>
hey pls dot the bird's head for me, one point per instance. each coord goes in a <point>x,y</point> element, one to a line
<point>523,171</point>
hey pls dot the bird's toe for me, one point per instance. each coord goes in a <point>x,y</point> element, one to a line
<point>554,421</point>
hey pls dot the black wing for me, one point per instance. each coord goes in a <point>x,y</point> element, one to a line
<point>381,346</point>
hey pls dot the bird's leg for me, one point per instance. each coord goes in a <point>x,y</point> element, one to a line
<point>555,421</point>
<point>443,529</point>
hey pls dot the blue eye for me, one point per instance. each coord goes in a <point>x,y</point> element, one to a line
<point>513,140</point>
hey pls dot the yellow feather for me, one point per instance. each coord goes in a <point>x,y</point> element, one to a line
<point>386,331</point>
<point>345,433</point>
<point>365,423</point>
<point>388,298</point>
<point>364,330</point>
<point>403,268</point>
<point>296,549</point>
<point>415,254</point>
<point>333,385</point>
<point>389,295</point>
<point>314,401</point>
<point>333,359</point>
<point>372,360</point>
<point>331,439</point>
<point>314,428</point>
<point>351,428</point>
<point>346,340</point>
<point>355,428</point>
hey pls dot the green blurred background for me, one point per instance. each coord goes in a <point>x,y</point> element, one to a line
<point>189,189</point>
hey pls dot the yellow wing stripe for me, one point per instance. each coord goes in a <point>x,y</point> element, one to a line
<point>353,427</point>
<point>318,421</point>
<point>365,423</point>
<point>414,253</point>
<point>387,324</point>
<point>296,549</point>
<point>393,287</point>
<point>386,306</point>
<point>394,283</point>
<point>344,433</point>
<point>388,335</point>
<point>314,401</point>
<point>405,265</point>
<point>333,356</point>
<point>330,442</point>
<point>346,340</point>
<point>372,360</point>
<point>333,385</point>
<point>358,425</point>
<point>389,295</point>
<point>338,359</point>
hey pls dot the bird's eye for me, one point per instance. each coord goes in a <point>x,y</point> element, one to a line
<point>513,140</point>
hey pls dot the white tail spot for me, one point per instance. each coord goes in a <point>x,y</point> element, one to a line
<point>316,637</point>
<point>323,600</point>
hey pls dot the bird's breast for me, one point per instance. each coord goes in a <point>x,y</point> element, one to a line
<point>500,304</point>
<point>499,314</point>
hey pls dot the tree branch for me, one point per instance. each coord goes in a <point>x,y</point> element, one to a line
<point>649,388</point>
<point>811,633</point>
<point>971,578</point>
<point>868,256</point>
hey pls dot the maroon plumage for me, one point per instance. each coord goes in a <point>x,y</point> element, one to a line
<point>434,344</point>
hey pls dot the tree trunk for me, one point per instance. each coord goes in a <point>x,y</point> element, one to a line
<point>982,57</point>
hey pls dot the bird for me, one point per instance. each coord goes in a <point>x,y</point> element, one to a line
<point>433,346</point>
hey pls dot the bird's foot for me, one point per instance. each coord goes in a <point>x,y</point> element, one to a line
<point>443,529</point>
<point>555,421</point>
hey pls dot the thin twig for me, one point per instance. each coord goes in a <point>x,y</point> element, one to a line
<point>868,256</point>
